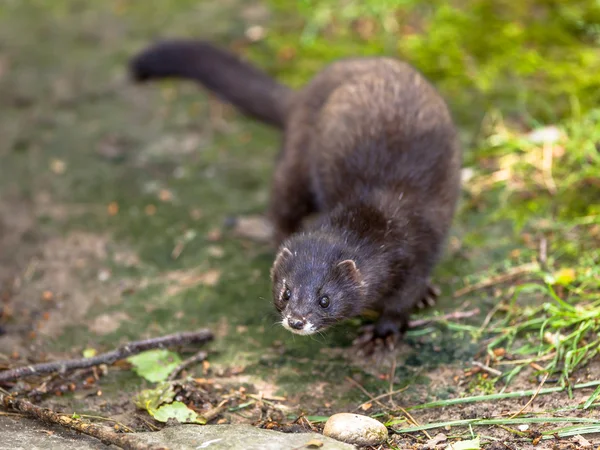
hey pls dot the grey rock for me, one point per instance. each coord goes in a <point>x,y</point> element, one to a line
<point>27,434</point>
<point>355,429</point>
<point>247,437</point>
<point>18,433</point>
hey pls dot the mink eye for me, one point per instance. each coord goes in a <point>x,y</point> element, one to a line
<point>287,294</point>
<point>324,302</point>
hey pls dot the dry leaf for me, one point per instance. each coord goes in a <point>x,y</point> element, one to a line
<point>209,278</point>
<point>565,276</point>
<point>214,235</point>
<point>256,228</point>
<point>215,251</point>
<point>366,406</point>
<point>165,195</point>
<point>435,441</point>
<point>196,214</point>
<point>314,443</point>
<point>113,209</point>
<point>499,352</point>
<point>58,166</point>
<point>583,442</point>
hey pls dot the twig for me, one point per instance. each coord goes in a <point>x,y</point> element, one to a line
<point>387,394</point>
<point>214,412</point>
<point>535,394</point>
<point>487,368</point>
<point>108,419</point>
<point>414,422</point>
<point>198,357</point>
<point>392,376</point>
<point>104,434</point>
<point>364,391</point>
<point>452,316</point>
<point>512,273</point>
<point>489,317</point>
<point>127,350</point>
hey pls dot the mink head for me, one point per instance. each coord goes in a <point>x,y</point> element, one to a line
<point>316,283</point>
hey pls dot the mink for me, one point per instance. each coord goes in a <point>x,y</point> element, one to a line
<point>369,147</point>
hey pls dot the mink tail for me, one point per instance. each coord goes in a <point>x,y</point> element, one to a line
<point>251,90</point>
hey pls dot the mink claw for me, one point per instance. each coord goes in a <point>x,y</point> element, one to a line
<point>430,297</point>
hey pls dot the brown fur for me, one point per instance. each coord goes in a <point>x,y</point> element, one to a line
<point>368,145</point>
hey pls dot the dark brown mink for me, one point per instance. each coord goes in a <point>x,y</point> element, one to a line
<point>370,147</point>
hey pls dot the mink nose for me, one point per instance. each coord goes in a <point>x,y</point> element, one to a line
<point>296,324</point>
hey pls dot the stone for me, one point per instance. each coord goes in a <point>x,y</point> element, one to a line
<point>234,437</point>
<point>19,433</point>
<point>26,434</point>
<point>355,429</point>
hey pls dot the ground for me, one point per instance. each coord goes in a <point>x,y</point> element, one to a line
<point>115,199</point>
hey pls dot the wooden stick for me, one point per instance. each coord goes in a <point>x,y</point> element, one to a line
<point>105,434</point>
<point>535,394</point>
<point>198,357</point>
<point>488,282</point>
<point>379,397</point>
<point>364,391</point>
<point>487,368</point>
<point>452,316</point>
<point>133,348</point>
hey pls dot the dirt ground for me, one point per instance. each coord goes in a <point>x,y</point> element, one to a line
<point>112,211</point>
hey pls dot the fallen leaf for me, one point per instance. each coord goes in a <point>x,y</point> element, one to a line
<point>196,214</point>
<point>583,442</point>
<point>433,442</point>
<point>178,411</point>
<point>90,352</point>
<point>150,210</point>
<point>47,296</point>
<point>108,323</point>
<point>215,251</point>
<point>564,276</point>
<point>256,228</point>
<point>314,443</point>
<point>286,54</point>
<point>113,209</point>
<point>255,33</point>
<point>165,196</point>
<point>472,444</point>
<point>214,235</point>
<point>155,365</point>
<point>58,166</point>
<point>153,398</point>
<point>366,406</point>
<point>499,352</point>
<point>209,278</point>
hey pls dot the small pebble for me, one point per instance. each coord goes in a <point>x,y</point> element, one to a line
<point>355,429</point>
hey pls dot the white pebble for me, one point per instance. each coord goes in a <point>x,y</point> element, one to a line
<point>355,429</point>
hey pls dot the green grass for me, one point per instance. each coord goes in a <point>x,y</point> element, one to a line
<point>535,60</point>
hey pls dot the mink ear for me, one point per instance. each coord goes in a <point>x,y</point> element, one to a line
<point>281,256</point>
<point>348,269</point>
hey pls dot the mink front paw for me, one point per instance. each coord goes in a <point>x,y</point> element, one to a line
<point>429,298</point>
